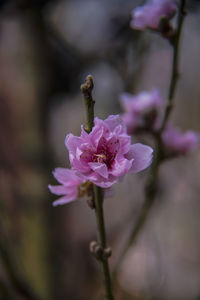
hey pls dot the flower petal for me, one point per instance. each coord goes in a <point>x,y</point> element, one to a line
<point>64,200</point>
<point>126,101</point>
<point>121,166</point>
<point>84,134</point>
<point>176,141</point>
<point>99,168</point>
<point>60,189</point>
<point>113,121</point>
<point>106,183</point>
<point>96,135</point>
<point>72,142</point>
<point>149,15</point>
<point>65,176</point>
<point>125,143</point>
<point>141,155</point>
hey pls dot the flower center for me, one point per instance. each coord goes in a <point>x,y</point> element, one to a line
<point>100,158</point>
<point>104,154</point>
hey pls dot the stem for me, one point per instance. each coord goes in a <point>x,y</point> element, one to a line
<point>175,65</point>
<point>150,191</point>
<point>102,240</point>
<point>86,89</point>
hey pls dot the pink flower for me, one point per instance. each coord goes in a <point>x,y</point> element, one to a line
<point>141,111</point>
<point>70,185</point>
<point>106,153</point>
<point>176,142</point>
<point>150,14</point>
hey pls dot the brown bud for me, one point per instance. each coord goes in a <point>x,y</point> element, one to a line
<point>99,252</point>
<point>107,252</point>
<point>92,246</point>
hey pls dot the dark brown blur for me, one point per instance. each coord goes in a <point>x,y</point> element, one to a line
<point>47,48</point>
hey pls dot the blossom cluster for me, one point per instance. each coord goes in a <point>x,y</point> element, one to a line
<point>176,142</point>
<point>100,157</point>
<point>143,112</point>
<point>151,14</point>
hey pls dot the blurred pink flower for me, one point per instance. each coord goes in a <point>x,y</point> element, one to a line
<point>69,188</point>
<point>142,110</point>
<point>179,143</point>
<point>149,15</point>
<point>106,153</point>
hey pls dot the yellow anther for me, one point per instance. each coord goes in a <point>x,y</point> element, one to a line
<point>101,156</point>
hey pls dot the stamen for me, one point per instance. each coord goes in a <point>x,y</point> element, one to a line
<point>101,156</point>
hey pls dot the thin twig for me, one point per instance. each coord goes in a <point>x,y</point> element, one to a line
<point>86,89</point>
<point>150,191</point>
<point>175,64</point>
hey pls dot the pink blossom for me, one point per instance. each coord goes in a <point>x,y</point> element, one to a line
<point>69,188</point>
<point>179,143</point>
<point>141,110</point>
<point>106,153</point>
<point>149,15</point>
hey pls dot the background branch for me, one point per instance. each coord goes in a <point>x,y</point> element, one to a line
<point>150,191</point>
<point>20,285</point>
<point>175,64</point>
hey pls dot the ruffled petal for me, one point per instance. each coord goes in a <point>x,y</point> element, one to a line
<point>113,121</point>
<point>100,123</point>
<point>125,143</point>
<point>80,166</point>
<point>95,135</point>
<point>99,168</point>
<point>106,183</point>
<point>72,142</point>
<point>121,166</point>
<point>84,134</point>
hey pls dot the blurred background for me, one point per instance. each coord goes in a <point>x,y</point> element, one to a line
<point>47,47</point>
